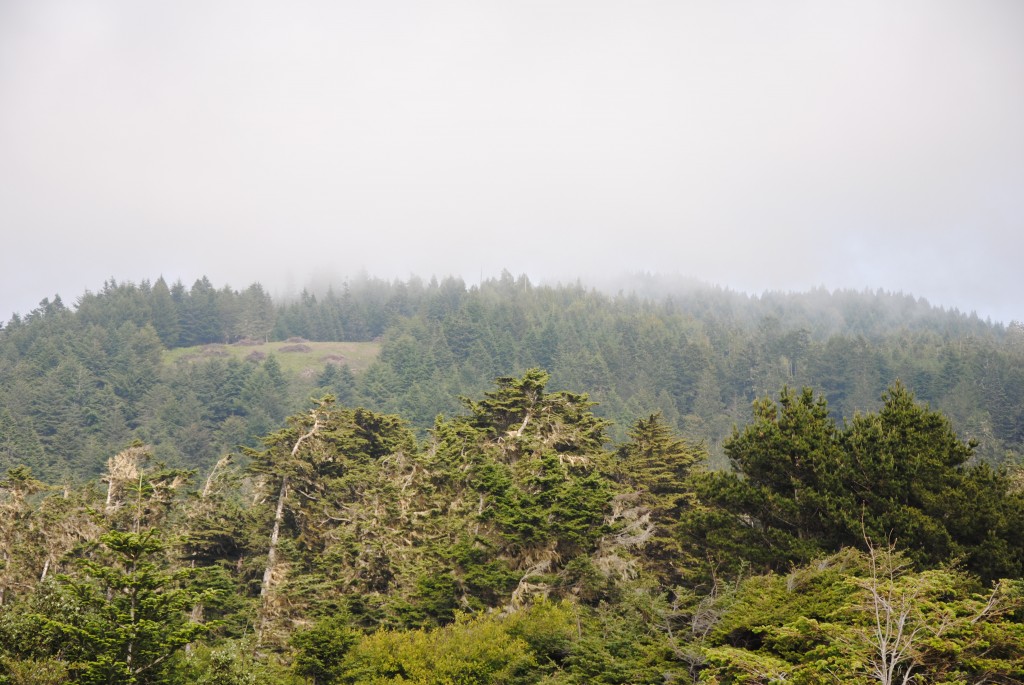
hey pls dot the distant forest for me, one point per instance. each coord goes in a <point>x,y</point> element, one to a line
<point>79,383</point>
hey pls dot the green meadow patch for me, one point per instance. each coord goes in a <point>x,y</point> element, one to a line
<point>297,357</point>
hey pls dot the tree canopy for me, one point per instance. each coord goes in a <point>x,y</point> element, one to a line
<point>803,485</point>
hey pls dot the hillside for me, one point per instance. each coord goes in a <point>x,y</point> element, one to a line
<point>79,383</point>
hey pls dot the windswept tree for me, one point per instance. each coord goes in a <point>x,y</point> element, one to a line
<point>655,465</point>
<point>313,467</point>
<point>531,473</point>
<point>19,532</point>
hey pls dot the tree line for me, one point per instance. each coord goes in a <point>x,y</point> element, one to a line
<point>78,382</point>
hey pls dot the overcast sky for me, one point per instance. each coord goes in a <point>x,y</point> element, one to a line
<point>758,145</point>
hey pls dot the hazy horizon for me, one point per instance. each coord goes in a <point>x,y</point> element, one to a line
<point>774,147</point>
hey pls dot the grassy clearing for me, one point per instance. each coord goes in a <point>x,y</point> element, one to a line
<point>302,359</point>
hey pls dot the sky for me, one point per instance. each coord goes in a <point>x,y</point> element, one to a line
<point>760,146</point>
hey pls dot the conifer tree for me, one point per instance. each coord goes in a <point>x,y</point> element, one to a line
<point>802,486</point>
<point>656,466</point>
<point>131,612</point>
<point>165,313</point>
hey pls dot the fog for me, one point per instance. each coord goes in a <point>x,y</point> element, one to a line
<point>758,146</point>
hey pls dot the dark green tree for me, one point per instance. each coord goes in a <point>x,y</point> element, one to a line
<point>256,315</point>
<point>912,478</point>
<point>802,486</point>
<point>130,612</point>
<point>785,497</point>
<point>165,314</point>
<point>201,321</point>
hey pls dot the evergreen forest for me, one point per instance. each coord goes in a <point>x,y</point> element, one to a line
<point>509,483</point>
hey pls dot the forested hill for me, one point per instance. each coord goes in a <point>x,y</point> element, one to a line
<point>78,383</point>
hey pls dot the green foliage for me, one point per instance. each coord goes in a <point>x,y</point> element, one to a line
<point>803,486</point>
<point>19,444</point>
<point>472,650</point>
<point>626,641</point>
<point>230,663</point>
<point>915,481</point>
<point>25,633</point>
<point>787,485</point>
<point>862,618</point>
<point>319,651</point>
<point>548,628</point>
<point>543,479</point>
<point>129,615</point>
<point>426,535</point>
<point>657,465</point>
<point>33,671</point>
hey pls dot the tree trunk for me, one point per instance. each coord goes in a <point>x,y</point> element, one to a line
<point>274,535</point>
